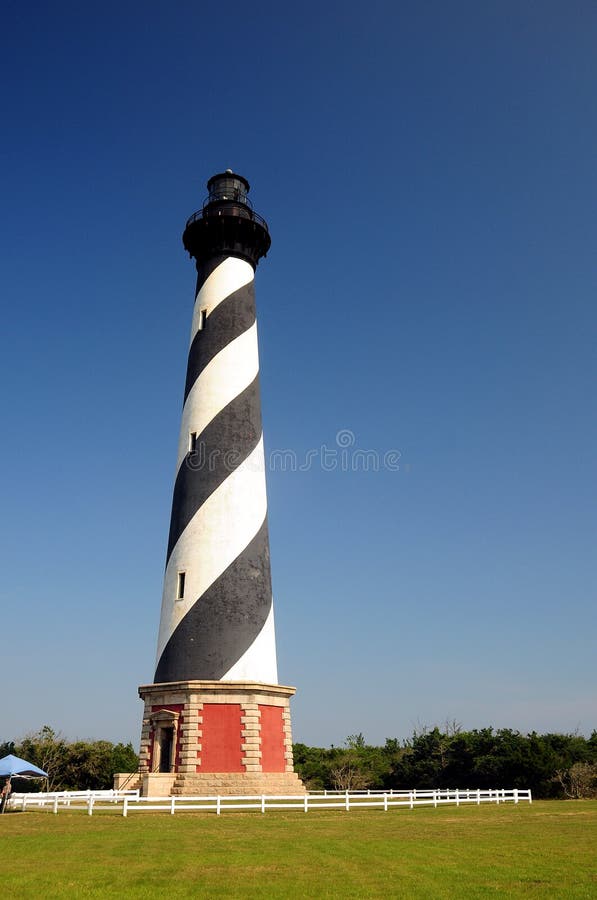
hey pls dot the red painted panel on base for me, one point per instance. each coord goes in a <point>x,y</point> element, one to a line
<point>272,739</point>
<point>221,738</point>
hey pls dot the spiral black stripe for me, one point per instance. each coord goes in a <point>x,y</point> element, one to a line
<point>224,622</point>
<point>231,318</point>
<point>205,269</point>
<point>221,447</point>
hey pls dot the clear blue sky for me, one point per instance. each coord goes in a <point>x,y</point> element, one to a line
<point>428,173</point>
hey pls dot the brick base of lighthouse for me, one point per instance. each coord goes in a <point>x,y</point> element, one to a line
<point>215,737</point>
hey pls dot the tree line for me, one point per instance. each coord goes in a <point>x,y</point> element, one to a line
<point>551,765</point>
<point>71,765</point>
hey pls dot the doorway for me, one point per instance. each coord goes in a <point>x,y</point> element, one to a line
<point>166,746</point>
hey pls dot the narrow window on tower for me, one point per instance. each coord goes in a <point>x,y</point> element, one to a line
<point>180,586</point>
<point>202,319</point>
<point>192,441</point>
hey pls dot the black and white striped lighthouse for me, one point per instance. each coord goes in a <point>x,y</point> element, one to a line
<point>215,717</point>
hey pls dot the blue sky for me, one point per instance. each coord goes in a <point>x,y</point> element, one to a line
<point>427,172</point>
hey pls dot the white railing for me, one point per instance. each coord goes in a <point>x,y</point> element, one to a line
<point>130,801</point>
<point>68,799</point>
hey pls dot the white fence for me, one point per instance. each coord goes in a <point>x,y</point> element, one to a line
<point>130,801</point>
<point>68,799</point>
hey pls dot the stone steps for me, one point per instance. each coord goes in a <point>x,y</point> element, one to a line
<point>124,782</point>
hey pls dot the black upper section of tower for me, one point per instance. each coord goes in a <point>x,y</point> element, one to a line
<point>227,224</point>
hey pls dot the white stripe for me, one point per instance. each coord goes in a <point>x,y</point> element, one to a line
<point>224,378</point>
<point>258,663</point>
<point>218,533</point>
<point>229,276</point>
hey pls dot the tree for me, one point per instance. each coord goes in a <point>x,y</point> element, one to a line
<point>349,777</point>
<point>355,741</point>
<point>579,782</point>
<point>46,749</point>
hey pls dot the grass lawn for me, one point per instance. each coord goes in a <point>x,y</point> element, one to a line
<point>548,849</point>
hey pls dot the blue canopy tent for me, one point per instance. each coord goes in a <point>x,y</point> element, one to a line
<point>11,766</point>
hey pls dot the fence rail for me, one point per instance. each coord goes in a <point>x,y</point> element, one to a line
<point>130,801</point>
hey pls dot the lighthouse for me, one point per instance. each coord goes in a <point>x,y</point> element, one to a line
<point>215,718</point>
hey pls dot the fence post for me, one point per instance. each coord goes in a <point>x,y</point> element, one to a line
<point>347,802</point>
<point>478,796</point>
<point>385,802</point>
<point>306,802</point>
<point>55,804</point>
<point>218,805</point>
<point>457,792</point>
<point>263,803</point>
<point>90,806</point>
<point>516,795</point>
<point>172,804</point>
<point>530,796</point>
<point>125,806</point>
<point>410,794</point>
<point>434,798</point>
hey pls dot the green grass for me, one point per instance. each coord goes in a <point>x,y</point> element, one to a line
<point>548,849</point>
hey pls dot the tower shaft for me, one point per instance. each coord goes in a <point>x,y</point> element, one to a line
<point>216,720</point>
<point>217,615</point>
